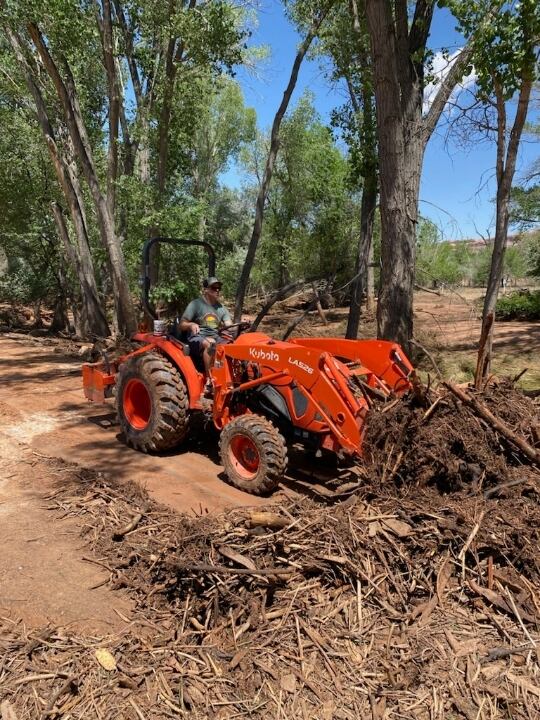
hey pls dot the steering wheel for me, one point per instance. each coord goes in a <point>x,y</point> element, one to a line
<point>240,327</point>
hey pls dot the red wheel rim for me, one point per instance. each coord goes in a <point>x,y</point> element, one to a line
<point>137,404</point>
<point>244,456</point>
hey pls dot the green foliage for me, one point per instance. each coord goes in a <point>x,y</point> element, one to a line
<point>437,262</point>
<point>223,127</point>
<point>532,254</point>
<point>520,305</point>
<point>525,206</point>
<point>440,262</point>
<point>310,216</point>
<point>525,199</point>
<point>28,238</point>
<point>194,101</point>
<point>504,36</point>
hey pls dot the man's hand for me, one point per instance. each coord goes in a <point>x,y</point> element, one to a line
<point>191,328</point>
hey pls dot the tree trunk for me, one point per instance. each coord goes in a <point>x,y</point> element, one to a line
<point>269,167</point>
<point>398,49</point>
<point>60,320</point>
<point>370,291</point>
<point>67,95</point>
<point>506,165</point>
<point>369,171</point>
<point>361,268</point>
<point>94,320</point>
<point>114,104</point>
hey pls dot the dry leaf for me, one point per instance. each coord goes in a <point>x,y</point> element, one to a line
<point>105,659</point>
<point>493,670</point>
<point>288,683</point>
<point>236,557</point>
<point>399,528</point>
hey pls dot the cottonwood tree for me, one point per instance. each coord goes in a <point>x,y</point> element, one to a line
<point>76,57</point>
<point>30,271</point>
<point>91,320</point>
<point>505,55</point>
<point>399,35</point>
<point>49,38</point>
<point>346,42</point>
<point>174,52</point>
<point>223,128</point>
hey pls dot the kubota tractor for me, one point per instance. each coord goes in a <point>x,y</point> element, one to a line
<point>267,393</point>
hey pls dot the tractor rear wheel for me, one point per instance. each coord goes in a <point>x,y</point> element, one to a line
<point>152,403</point>
<point>253,454</point>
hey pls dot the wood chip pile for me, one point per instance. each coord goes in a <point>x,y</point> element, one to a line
<point>415,598</point>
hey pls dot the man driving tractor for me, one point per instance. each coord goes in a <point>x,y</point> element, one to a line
<point>202,320</point>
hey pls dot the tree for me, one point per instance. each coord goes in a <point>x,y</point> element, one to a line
<point>90,321</point>
<point>317,17</point>
<point>346,41</point>
<point>309,209</point>
<point>224,126</point>
<point>525,198</point>
<point>533,254</point>
<point>436,261</point>
<point>505,54</point>
<point>174,52</point>
<point>399,51</point>
<point>120,164</point>
<point>32,271</point>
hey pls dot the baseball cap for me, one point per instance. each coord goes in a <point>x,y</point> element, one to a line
<point>209,281</point>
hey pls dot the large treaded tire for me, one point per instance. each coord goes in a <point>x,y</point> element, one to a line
<point>152,403</point>
<point>253,454</point>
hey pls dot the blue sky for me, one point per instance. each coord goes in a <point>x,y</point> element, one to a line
<point>458,182</point>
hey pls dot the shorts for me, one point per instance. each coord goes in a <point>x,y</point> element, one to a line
<point>195,343</point>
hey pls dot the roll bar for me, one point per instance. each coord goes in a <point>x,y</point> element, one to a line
<point>145,280</point>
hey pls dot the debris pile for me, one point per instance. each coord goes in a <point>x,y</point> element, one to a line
<point>415,598</point>
<point>449,444</point>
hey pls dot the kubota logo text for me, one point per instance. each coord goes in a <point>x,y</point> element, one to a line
<point>259,354</point>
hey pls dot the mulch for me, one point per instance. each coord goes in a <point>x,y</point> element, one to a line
<point>415,597</point>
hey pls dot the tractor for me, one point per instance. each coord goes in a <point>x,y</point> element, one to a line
<point>268,394</point>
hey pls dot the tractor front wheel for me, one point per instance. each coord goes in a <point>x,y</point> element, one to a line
<point>152,403</point>
<point>253,453</point>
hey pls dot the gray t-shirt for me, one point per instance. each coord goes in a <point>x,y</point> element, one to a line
<point>208,317</point>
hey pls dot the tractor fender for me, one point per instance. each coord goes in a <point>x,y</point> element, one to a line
<point>173,350</point>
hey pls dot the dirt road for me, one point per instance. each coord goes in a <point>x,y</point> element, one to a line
<point>44,577</point>
<point>43,407</point>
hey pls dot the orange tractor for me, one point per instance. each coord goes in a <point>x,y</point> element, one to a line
<point>268,394</point>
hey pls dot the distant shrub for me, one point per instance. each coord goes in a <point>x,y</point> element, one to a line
<point>520,305</point>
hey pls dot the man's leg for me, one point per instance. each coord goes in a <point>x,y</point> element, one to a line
<point>197,345</point>
<point>209,353</point>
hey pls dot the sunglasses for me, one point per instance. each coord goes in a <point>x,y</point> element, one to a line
<point>215,287</point>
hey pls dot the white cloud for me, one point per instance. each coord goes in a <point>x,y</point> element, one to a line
<point>441,65</point>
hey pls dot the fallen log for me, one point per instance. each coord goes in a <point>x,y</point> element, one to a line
<point>482,411</point>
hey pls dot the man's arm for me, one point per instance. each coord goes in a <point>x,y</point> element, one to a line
<point>186,321</point>
<point>226,320</point>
